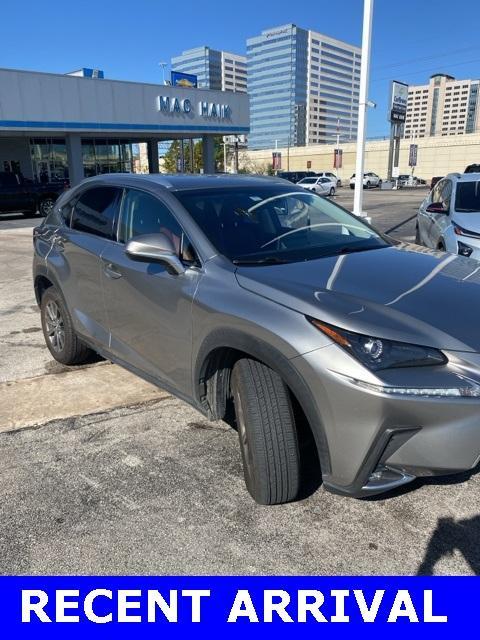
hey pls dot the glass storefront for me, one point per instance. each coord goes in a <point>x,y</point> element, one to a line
<point>49,159</point>
<point>107,155</point>
<point>100,155</point>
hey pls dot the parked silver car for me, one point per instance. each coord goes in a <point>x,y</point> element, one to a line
<point>449,217</point>
<point>253,298</point>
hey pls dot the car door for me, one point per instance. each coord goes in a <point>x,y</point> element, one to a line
<point>14,195</point>
<point>440,221</point>
<point>149,308</point>
<point>425,218</point>
<point>75,259</point>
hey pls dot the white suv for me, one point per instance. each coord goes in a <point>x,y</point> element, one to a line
<point>370,179</point>
<point>331,176</point>
<point>449,217</point>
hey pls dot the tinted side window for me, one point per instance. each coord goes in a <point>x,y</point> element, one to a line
<point>446,194</point>
<point>437,191</point>
<point>143,213</point>
<point>96,211</point>
<point>66,211</point>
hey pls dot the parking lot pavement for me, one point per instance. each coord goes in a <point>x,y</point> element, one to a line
<point>154,488</point>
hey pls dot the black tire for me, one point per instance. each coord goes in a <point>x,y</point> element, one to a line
<point>46,205</point>
<point>267,433</point>
<point>368,184</point>
<point>352,186</point>
<point>69,350</point>
<point>441,246</point>
<point>332,192</point>
<point>417,236</point>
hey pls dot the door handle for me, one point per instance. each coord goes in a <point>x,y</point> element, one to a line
<point>111,272</point>
<point>58,242</point>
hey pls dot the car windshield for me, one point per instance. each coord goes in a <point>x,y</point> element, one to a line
<point>274,224</point>
<point>467,199</point>
<point>308,181</point>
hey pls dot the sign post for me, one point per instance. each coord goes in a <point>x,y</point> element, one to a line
<point>362,107</point>
<point>396,116</point>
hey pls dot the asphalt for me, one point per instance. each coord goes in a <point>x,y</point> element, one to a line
<point>149,486</point>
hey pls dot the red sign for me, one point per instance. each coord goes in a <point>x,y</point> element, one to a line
<point>337,158</point>
<point>276,160</point>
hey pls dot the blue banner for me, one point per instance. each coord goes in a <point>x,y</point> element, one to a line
<point>106,607</point>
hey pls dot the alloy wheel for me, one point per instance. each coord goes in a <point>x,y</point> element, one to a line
<point>55,326</point>
<point>46,206</point>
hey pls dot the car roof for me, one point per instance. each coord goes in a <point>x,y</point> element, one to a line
<point>183,182</point>
<point>463,177</point>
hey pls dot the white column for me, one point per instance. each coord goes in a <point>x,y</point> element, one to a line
<point>73,142</point>
<point>362,107</point>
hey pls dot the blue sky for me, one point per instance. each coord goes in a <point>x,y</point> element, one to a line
<point>411,39</point>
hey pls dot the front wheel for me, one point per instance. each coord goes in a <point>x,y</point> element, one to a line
<point>332,192</point>
<point>61,339</point>
<point>267,433</point>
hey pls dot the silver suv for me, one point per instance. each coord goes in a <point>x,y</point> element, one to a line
<point>253,298</point>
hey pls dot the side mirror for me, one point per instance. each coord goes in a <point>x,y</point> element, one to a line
<point>436,207</point>
<point>155,247</point>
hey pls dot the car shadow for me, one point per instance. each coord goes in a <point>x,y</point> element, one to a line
<point>451,535</point>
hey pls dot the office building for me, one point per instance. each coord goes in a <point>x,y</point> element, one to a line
<point>303,88</point>
<point>214,69</point>
<point>443,107</point>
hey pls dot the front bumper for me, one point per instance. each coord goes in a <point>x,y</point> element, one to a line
<point>378,442</point>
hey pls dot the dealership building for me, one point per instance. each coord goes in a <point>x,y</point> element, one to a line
<point>55,126</point>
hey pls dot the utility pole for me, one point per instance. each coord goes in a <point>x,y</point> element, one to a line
<point>362,107</point>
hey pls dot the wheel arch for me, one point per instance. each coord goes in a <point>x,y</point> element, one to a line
<point>41,283</point>
<point>211,383</point>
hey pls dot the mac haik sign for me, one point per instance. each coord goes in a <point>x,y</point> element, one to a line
<point>203,108</point>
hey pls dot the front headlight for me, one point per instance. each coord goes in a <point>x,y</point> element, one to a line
<point>377,353</point>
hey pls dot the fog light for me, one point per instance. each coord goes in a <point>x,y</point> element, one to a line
<point>464,249</point>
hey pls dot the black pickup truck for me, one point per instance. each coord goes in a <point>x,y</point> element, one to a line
<point>19,194</point>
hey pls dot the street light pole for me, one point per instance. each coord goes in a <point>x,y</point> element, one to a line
<point>362,107</point>
<point>163,65</point>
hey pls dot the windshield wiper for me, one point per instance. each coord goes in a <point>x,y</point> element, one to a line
<point>353,249</point>
<point>269,260</point>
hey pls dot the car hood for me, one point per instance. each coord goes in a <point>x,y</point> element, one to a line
<point>469,221</point>
<point>400,293</point>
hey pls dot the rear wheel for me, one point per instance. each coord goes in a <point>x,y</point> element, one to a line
<point>368,184</point>
<point>441,246</point>
<point>46,205</point>
<point>61,339</point>
<point>267,433</point>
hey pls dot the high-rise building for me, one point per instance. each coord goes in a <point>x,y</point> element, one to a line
<point>444,106</point>
<point>214,69</point>
<point>303,88</point>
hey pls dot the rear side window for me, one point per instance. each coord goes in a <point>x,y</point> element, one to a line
<point>96,211</point>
